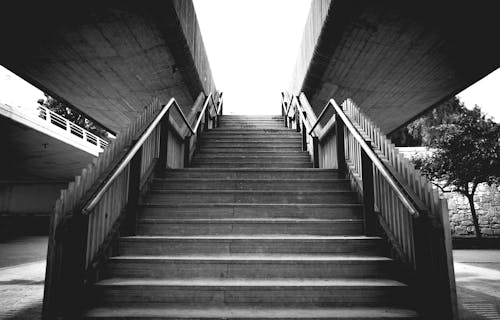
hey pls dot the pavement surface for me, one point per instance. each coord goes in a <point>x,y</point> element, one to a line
<point>477,275</point>
<point>22,272</point>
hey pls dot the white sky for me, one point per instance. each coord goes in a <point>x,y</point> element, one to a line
<point>252,46</point>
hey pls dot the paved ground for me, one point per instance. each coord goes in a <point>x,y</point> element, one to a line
<point>477,274</point>
<point>22,270</point>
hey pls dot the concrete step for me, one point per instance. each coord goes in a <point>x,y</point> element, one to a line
<point>266,173</point>
<point>262,154</point>
<point>249,144</point>
<point>242,226</point>
<point>247,149</point>
<point>247,313</point>
<point>253,137</point>
<point>251,266</point>
<point>252,130</point>
<point>256,123</point>
<point>254,292</point>
<point>250,196</point>
<point>298,156</point>
<point>291,134</point>
<point>251,184</point>
<point>250,117</point>
<point>252,210</point>
<point>261,244</point>
<point>263,140</point>
<point>253,164</point>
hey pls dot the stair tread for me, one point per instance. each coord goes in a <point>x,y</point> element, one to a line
<point>257,170</point>
<point>231,179</point>
<point>249,283</point>
<point>253,257</point>
<point>247,220</point>
<point>237,204</point>
<point>284,191</point>
<point>252,237</point>
<point>223,312</point>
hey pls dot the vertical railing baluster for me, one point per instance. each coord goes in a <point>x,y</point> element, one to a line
<point>370,221</point>
<point>315,142</point>
<point>342,166</point>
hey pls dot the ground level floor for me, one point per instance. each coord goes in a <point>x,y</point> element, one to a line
<point>22,272</point>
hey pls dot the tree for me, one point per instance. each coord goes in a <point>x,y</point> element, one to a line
<point>420,131</point>
<point>73,115</point>
<point>466,152</point>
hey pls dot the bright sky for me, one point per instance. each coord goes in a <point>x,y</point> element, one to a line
<point>252,46</point>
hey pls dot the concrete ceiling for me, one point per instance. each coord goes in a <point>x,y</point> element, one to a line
<point>395,59</point>
<point>28,154</point>
<point>108,59</point>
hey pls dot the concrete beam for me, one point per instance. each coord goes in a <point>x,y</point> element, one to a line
<point>108,59</point>
<point>395,59</point>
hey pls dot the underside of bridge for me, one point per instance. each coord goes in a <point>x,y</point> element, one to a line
<point>395,59</point>
<point>108,59</point>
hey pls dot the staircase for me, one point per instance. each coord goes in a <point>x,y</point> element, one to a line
<point>251,231</point>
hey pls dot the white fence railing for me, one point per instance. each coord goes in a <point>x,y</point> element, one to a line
<point>63,123</point>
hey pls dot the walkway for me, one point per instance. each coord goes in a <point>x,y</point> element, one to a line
<point>22,270</point>
<point>22,273</point>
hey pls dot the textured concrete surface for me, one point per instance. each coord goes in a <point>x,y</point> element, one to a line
<point>477,274</point>
<point>22,270</point>
<point>22,273</point>
<point>395,59</point>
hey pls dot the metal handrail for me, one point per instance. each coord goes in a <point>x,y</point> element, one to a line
<point>398,188</point>
<point>202,112</point>
<point>301,111</point>
<point>59,121</point>
<point>323,112</point>
<point>94,200</point>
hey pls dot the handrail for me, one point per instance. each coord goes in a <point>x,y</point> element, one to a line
<point>92,202</point>
<point>202,112</point>
<point>393,182</point>
<point>59,121</point>
<point>323,112</point>
<point>301,112</point>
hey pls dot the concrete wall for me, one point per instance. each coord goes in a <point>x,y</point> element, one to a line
<point>26,207</point>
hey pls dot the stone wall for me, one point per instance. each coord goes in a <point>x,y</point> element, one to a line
<point>487,203</point>
<point>486,199</point>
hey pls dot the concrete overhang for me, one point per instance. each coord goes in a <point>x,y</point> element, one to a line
<point>30,154</point>
<point>107,58</point>
<point>395,59</point>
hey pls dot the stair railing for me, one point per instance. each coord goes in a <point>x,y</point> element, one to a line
<point>399,203</point>
<point>102,202</point>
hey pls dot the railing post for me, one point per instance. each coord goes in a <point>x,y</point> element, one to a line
<point>134,181</point>
<point>297,121</point>
<point>72,294</point>
<point>198,131</point>
<point>342,167</point>
<point>205,124</point>
<point>187,150</point>
<point>304,135</point>
<point>431,271</point>
<point>285,116</point>
<point>370,221</point>
<point>315,141</point>
<point>162,157</point>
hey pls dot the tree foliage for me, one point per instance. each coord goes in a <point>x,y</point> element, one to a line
<point>73,115</point>
<point>466,151</point>
<point>421,131</point>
